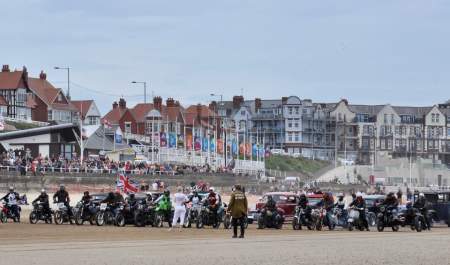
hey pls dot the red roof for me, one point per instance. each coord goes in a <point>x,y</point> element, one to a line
<point>205,112</point>
<point>3,101</point>
<point>114,115</point>
<point>141,110</point>
<point>82,106</point>
<point>49,94</point>
<point>12,80</point>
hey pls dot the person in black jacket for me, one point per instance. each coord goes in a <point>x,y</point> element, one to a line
<point>44,200</point>
<point>12,199</point>
<point>360,204</point>
<point>304,204</point>
<point>390,201</point>
<point>421,205</point>
<point>62,196</point>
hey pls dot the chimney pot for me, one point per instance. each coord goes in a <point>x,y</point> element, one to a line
<point>115,105</point>
<point>122,103</point>
<point>43,75</point>
<point>5,68</point>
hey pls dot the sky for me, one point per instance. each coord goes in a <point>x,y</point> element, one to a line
<point>369,52</point>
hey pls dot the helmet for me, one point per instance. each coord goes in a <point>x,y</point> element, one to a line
<point>132,196</point>
<point>43,191</point>
<point>149,194</point>
<point>359,194</point>
<point>339,195</point>
<point>86,193</point>
<point>166,192</point>
<point>211,189</point>
<point>421,194</point>
<point>195,192</point>
<point>269,198</point>
<point>302,196</point>
<point>11,188</point>
<point>62,187</point>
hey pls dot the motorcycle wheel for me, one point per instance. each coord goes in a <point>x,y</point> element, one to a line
<point>139,220</point>
<point>380,226</point>
<point>78,218</point>
<point>33,217</point>
<point>216,225</point>
<point>227,222</point>
<point>120,220</point>
<point>187,222</point>
<point>100,218</point>
<point>245,222</point>
<point>350,227</point>
<point>296,224</point>
<point>372,219</point>
<point>395,228</point>
<point>49,220</point>
<point>92,220</point>
<point>3,217</point>
<point>159,221</point>
<point>261,224</point>
<point>418,224</point>
<point>199,224</point>
<point>59,219</point>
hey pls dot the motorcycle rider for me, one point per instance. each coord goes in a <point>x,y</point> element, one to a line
<point>421,205</point>
<point>149,198</point>
<point>62,196</point>
<point>213,202</point>
<point>327,203</point>
<point>12,198</point>
<point>44,200</point>
<point>390,201</point>
<point>303,204</point>
<point>340,202</point>
<point>196,200</point>
<point>360,205</point>
<point>165,206</point>
<point>131,202</point>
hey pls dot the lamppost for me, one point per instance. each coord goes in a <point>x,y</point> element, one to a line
<point>145,88</point>
<point>68,78</point>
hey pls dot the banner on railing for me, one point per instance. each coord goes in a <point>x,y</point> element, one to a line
<point>205,144</point>
<point>172,140</point>
<point>162,139</point>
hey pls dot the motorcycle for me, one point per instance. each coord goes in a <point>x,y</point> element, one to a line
<point>228,221</point>
<point>300,219</point>
<point>271,219</point>
<point>6,213</point>
<point>61,214</point>
<point>329,219</point>
<point>105,215</point>
<point>38,214</point>
<point>317,218</point>
<point>192,213</point>
<point>413,218</point>
<point>341,217</point>
<point>144,214</point>
<point>207,217</point>
<point>354,220</point>
<point>125,214</point>
<point>388,216</point>
<point>85,213</point>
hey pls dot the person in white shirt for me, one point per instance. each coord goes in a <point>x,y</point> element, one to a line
<point>180,209</point>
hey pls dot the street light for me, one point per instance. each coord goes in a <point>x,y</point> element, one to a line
<point>145,88</point>
<point>68,78</point>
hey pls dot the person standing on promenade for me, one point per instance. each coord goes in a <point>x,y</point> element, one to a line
<point>238,209</point>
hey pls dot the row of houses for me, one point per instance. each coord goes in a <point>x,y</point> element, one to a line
<point>342,130</point>
<point>331,131</point>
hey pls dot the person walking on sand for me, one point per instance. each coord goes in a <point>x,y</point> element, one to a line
<point>180,209</point>
<point>238,209</point>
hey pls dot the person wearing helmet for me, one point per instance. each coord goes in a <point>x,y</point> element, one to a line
<point>304,204</point>
<point>62,196</point>
<point>44,201</point>
<point>12,199</point>
<point>421,205</point>
<point>86,199</point>
<point>360,204</point>
<point>148,198</point>
<point>131,201</point>
<point>270,205</point>
<point>213,202</point>
<point>165,206</point>
<point>390,201</point>
<point>340,202</point>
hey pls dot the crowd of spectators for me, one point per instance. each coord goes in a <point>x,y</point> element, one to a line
<point>23,162</point>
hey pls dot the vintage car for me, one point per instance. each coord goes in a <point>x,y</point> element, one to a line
<point>438,205</point>
<point>286,201</point>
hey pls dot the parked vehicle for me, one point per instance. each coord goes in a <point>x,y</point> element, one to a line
<point>105,215</point>
<point>388,217</point>
<point>372,202</point>
<point>271,219</point>
<point>144,214</point>
<point>300,220</point>
<point>438,206</point>
<point>413,217</point>
<point>341,217</point>
<point>206,217</point>
<point>38,214</point>
<point>284,200</point>
<point>317,218</point>
<point>192,214</point>
<point>6,213</point>
<point>61,214</point>
<point>354,219</point>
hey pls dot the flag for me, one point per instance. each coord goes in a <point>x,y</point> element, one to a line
<point>118,135</point>
<point>172,140</point>
<point>212,145</point>
<point>162,139</point>
<point>234,147</point>
<point>107,124</point>
<point>189,142</point>
<point>205,144</point>
<point>197,143</point>
<point>220,146</point>
<point>255,150</point>
<point>126,185</point>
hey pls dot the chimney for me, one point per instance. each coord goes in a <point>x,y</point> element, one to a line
<point>5,68</point>
<point>258,104</point>
<point>122,103</point>
<point>157,103</point>
<point>199,110</point>
<point>42,75</point>
<point>25,73</point>
<point>213,106</point>
<point>170,102</point>
<point>284,100</point>
<point>115,105</point>
<point>176,103</point>
<point>237,101</point>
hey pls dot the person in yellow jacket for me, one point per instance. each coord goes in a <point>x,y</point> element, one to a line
<point>238,210</point>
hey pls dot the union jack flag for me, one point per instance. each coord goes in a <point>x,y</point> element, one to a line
<point>126,185</point>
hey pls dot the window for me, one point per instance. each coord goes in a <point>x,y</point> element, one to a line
<point>289,123</point>
<point>296,123</point>
<point>242,112</point>
<point>297,110</point>
<point>448,131</point>
<point>49,115</point>
<point>392,118</point>
<point>290,137</point>
<point>362,117</point>
<point>290,110</point>
<point>127,127</point>
<point>59,97</point>
<point>385,118</point>
<point>297,137</point>
<point>433,117</point>
<point>437,118</point>
<point>93,120</point>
